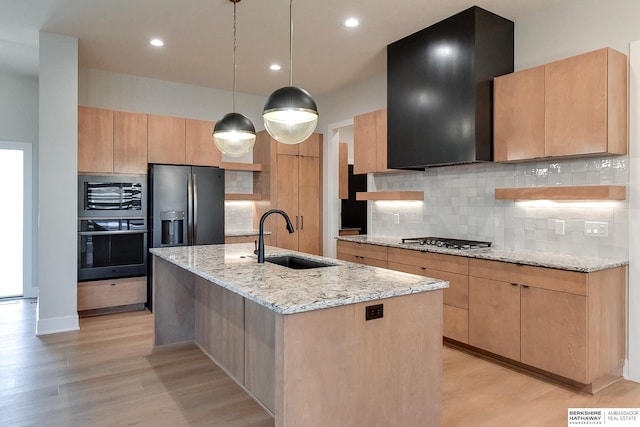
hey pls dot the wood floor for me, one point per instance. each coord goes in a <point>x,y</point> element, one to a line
<point>106,375</point>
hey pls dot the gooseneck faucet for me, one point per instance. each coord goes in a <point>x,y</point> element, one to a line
<point>290,229</point>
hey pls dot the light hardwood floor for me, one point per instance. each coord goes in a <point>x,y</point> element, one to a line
<point>106,375</point>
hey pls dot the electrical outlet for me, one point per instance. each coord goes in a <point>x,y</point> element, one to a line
<point>374,311</point>
<point>396,218</point>
<point>559,227</point>
<point>596,228</point>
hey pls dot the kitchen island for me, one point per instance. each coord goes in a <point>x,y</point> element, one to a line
<point>299,341</point>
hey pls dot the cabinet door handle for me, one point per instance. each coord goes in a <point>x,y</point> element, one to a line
<point>301,222</point>
<point>296,222</point>
<point>514,284</point>
<point>525,286</point>
<point>113,284</point>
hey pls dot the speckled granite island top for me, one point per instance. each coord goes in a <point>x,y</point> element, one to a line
<point>287,291</point>
<point>538,259</point>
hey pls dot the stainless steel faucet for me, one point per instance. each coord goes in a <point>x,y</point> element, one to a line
<point>290,229</point>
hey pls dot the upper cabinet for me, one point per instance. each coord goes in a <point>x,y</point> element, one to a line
<point>129,142</point>
<point>95,140</point>
<point>111,141</point>
<point>199,146</point>
<point>370,142</point>
<point>166,139</point>
<point>343,170</point>
<point>572,107</point>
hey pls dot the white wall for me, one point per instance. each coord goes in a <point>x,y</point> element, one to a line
<point>57,229</point>
<point>19,123</point>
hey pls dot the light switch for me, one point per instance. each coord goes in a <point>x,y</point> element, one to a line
<point>560,227</point>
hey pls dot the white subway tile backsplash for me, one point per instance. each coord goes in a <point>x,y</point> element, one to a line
<point>459,202</point>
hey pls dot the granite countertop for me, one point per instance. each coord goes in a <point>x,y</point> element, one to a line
<point>289,291</point>
<point>538,259</point>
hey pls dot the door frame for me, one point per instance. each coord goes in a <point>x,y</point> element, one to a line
<point>28,288</point>
<point>331,214</point>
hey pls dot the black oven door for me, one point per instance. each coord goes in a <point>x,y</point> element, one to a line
<point>112,248</point>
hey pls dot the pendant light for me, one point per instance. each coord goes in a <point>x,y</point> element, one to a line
<point>234,134</point>
<point>290,114</point>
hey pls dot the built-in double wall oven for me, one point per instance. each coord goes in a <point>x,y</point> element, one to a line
<point>112,226</point>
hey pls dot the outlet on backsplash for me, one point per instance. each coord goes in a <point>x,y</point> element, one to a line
<point>559,227</point>
<point>596,228</point>
<point>396,218</point>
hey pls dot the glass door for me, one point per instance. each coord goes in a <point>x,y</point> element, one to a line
<point>11,222</point>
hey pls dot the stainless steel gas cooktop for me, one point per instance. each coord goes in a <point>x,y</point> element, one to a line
<point>443,242</point>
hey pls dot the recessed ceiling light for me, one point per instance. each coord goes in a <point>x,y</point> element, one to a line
<point>275,67</point>
<point>351,22</point>
<point>156,42</point>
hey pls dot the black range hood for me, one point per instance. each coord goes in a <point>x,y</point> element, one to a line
<point>440,90</point>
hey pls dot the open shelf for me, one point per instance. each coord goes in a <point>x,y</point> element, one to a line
<point>251,167</point>
<point>567,193</point>
<point>390,195</point>
<point>242,196</point>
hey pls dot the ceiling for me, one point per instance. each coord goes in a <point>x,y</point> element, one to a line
<point>114,35</point>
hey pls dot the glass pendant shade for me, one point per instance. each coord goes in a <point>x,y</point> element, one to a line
<point>234,134</point>
<point>290,115</point>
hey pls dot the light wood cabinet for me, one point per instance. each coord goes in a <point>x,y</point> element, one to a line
<point>362,253</point>
<point>370,142</point>
<point>200,149</point>
<point>567,323</point>
<point>494,317</point>
<point>453,269</point>
<point>111,141</point>
<point>519,115</point>
<point>95,140</point>
<point>166,139</point>
<point>129,142</point>
<point>292,183</point>
<point>99,294</point>
<point>584,102</point>
<point>554,332</point>
<point>300,195</point>
<point>343,170</point>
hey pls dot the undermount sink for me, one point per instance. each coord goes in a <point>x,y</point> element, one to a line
<point>296,262</point>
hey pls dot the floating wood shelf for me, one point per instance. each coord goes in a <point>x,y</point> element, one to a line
<point>242,196</point>
<point>567,193</point>
<point>390,195</point>
<point>251,167</point>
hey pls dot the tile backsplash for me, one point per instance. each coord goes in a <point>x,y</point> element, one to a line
<point>238,215</point>
<point>459,202</point>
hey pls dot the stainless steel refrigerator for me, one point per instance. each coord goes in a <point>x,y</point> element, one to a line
<point>186,207</point>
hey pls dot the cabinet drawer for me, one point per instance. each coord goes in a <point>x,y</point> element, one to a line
<point>540,277</point>
<point>455,323</point>
<point>112,293</point>
<point>362,260</point>
<point>457,294</point>
<point>434,261</point>
<point>363,250</point>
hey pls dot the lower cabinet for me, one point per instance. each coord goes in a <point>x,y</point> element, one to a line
<point>99,294</point>
<point>362,253</point>
<point>453,269</point>
<point>570,324</point>
<point>566,323</point>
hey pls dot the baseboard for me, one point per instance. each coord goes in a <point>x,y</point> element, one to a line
<point>55,325</point>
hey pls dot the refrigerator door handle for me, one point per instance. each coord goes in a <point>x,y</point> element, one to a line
<point>190,212</point>
<point>195,209</point>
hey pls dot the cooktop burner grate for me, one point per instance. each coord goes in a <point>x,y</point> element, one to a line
<point>443,242</point>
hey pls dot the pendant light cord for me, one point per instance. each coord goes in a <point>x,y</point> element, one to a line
<point>233,104</point>
<point>291,43</point>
